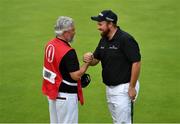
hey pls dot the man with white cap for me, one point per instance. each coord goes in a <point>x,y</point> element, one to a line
<point>62,75</point>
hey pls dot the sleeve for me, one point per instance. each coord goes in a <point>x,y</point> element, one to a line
<point>97,52</point>
<point>71,61</point>
<point>131,49</point>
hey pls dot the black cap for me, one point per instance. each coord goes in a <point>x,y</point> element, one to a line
<point>105,15</point>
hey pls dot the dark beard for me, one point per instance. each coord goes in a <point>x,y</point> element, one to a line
<point>105,34</point>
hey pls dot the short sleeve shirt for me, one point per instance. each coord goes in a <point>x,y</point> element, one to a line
<point>116,56</point>
<point>69,63</point>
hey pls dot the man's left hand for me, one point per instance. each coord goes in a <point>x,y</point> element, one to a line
<point>132,93</point>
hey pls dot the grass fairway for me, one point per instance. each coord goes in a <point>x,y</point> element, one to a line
<point>26,25</point>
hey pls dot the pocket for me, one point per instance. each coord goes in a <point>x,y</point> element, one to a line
<point>60,101</point>
<point>126,87</point>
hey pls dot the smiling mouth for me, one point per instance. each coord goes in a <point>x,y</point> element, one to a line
<point>101,31</point>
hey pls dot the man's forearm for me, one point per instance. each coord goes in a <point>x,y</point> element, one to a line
<point>77,74</point>
<point>83,68</point>
<point>135,73</point>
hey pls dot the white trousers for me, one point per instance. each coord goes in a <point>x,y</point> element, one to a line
<point>64,109</point>
<point>119,102</point>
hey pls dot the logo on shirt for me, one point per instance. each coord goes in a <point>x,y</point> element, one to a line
<point>113,47</point>
<point>102,47</point>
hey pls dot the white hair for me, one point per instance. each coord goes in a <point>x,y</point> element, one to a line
<point>63,23</point>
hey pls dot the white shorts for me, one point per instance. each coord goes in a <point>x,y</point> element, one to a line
<point>119,102</point>
<point>64,109</point>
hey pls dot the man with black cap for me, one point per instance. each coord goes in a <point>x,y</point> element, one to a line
<point>120,58</point>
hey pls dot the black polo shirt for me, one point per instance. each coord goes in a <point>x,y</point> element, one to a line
<point>116,56</point>
<point>69,63</point>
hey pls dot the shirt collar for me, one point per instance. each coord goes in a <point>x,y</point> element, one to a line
<point>63,41</point>
<point>116,35</point>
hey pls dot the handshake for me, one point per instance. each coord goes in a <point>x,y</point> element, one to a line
<point>88,57</point>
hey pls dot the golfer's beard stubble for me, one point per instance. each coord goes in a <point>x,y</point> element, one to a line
<point>105,33</point>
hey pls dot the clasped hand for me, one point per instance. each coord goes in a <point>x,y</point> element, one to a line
<point>88,57</point>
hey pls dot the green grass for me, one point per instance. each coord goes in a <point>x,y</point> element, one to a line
<point>26,25</point>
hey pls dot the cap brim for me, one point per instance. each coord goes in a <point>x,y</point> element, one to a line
<point>97,18</point>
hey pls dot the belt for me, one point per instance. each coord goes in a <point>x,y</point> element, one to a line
<point>64,96</point>
<point>69,83</point>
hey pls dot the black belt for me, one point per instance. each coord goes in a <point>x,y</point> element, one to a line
<point>63,98</point>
